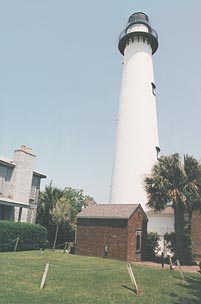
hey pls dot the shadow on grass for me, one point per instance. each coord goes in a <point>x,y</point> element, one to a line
<point>192,295</point>
<point>129,288</point>
<point>132,289</point>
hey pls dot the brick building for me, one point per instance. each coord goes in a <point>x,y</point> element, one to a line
<point>114,230</point>
<point>19,186</point>
<point>196,233</point>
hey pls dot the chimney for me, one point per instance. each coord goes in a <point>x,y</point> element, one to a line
<point>23,148</point>
<point>26,149</point>
<point>29,150</point>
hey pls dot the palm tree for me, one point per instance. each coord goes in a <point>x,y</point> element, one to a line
<point>179,184</point>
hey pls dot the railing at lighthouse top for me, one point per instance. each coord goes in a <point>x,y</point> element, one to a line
<point>138,19</point>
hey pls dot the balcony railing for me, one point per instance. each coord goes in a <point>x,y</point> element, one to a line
<point>150,31</point>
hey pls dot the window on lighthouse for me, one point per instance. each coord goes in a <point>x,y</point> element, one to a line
<point>158,150</point>
<point>153,88</point>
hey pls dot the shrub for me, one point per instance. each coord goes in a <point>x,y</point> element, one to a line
<point>188,247</point>
<point>31,236</point>
<point>152,246</point>
<point>171,241</point>
<point>187,250</point>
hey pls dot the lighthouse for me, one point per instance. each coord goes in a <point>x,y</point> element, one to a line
<point>137,145</point>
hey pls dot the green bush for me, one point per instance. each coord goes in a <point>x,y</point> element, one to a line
<point>187,250</point>
<point>170,239</point>
<point>152,246</point>
<point>30,236</point>
<point>188,246</point>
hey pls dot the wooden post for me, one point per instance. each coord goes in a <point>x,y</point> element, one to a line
<point>16,243</point>
<point>55,238</point>
<point>42,285</point>
<point>180,270</point>
<point>171,265</point>
<point>65,246</point>
<point>132,277</point>
<point>162,259</point>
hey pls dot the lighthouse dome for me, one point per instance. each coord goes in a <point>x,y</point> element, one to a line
<point>139,18</point>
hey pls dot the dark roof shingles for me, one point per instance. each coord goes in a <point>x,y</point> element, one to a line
<point>121,211</point>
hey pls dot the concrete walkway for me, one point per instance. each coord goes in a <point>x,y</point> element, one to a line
<point>193,268</point>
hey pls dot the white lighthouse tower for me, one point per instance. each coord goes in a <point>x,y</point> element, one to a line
<point>137,144</point>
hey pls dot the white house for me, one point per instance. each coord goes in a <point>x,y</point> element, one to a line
<point>19,186</point>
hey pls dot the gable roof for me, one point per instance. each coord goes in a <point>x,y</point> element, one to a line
<point>110,211</point>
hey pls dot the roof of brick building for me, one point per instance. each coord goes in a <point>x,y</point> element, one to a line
<point>117,211</point>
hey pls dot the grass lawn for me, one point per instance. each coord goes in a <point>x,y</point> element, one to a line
<point>75,279</point>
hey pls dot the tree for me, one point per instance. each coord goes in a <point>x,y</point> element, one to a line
<point>60,214</point>
<point>77,201</point>
<point>152,245</point>
<point>179,184</point>
<point>48,200</point>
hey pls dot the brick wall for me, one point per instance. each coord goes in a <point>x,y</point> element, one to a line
<point>94,234</point>
<point>136,223</point>
<point>118,235</point>
<point>196,233</point>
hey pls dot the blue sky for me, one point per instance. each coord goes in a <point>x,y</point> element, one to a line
<point>60,74</point>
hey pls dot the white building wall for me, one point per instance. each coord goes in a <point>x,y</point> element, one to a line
<point>137,132</point>
<point>161,223</point>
